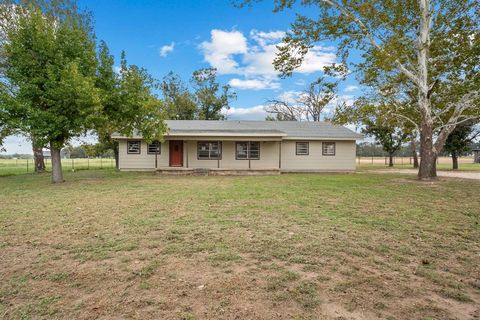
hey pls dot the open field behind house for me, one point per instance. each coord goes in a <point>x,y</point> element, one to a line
<point>110,244</point>
<point>22,166</point>
<point>443,163</point>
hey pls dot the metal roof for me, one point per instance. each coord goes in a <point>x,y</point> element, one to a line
<point>284,129</point>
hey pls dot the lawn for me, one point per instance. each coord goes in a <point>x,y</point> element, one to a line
<point>10,167</point>
<point>330,246</point>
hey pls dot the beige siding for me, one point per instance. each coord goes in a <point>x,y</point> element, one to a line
<point>142,161</point>
<point>268,157</point>
<point>343,160</point>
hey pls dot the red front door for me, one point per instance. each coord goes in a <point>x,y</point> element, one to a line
<point>176,153</point>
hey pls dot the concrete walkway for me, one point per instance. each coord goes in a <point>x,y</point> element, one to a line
<point>449,174</point>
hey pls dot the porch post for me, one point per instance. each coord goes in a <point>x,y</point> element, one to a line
<point>156,157</point>
<point>280,155</point>
<point>186,152</point>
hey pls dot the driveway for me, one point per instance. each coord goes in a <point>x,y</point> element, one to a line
<point>449,174</point>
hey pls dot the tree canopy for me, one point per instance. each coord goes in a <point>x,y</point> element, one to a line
<point>433,46</point>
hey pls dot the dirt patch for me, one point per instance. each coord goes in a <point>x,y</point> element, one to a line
<point>447,174</point>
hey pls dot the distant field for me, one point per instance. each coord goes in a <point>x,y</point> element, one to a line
<point>21,166</point>
<point>444,163</point>
<point>129,245</point>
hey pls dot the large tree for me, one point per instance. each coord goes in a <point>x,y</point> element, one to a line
<point>211,99</point>
<point>49,62</point>
<point>129,103</point>
<point>389,131</point>
<point>10,11</point>
<point>460,140</point>
<point>179,102</point>
<point>435,45</point>
<point>307,106</point>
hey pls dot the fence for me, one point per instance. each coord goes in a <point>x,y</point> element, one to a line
<point>406,161</point>
<point>19,166</point>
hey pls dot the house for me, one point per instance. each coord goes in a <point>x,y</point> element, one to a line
<point>242,146</point>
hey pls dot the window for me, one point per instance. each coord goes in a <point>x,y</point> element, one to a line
<point>133,147</point>
<point>302,149</point>
<point>154,148</point>
<point>247,150</point>
<point>328,148</point>
<point>209,150</point>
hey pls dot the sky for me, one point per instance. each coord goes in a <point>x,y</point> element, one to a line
<point>183,36</point>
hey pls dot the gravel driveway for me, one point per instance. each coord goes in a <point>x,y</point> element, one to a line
<point>450,174</point>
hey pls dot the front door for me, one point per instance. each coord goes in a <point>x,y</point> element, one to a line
<point>176,153</point>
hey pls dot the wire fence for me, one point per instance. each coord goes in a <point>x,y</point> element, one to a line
<point>406,161</point>
<point>19,166</point>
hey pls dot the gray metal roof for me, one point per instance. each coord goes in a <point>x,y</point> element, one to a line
<point>285,129</point>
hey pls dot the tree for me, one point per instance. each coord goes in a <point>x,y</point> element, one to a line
<point>308,106</point>
<point>179,102</point>
<point>318,95</point>
<point>129,104</point>
<point>459,141</point>
<point>49,62</point>
<point>434,45</point>
<point>211,99</point>
<point>387,130</point>
<point>283,110</point>
<point>9,14</point>
<point>391,138</point>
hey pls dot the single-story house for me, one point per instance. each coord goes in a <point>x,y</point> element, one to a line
<point>251,146</point>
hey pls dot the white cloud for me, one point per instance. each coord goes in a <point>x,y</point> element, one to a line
<point>167,49</point>
<point>220,51</point>
<point>253,113</point>
<point>231,52</point>
<point>254,84</point>
<point>350,88</point>
<point>290,96</point>
<point>316,59</point>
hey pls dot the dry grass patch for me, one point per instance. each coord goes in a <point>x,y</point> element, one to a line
<point>138,245</point>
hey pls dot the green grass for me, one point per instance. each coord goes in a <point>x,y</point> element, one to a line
<point>24,166</point>
<point>139,245</point>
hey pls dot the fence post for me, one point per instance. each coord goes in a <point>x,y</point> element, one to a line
<point>111,163</point>
<point>73,166</point>
<point>88,163</point>
<point>101,163</point>
<point>27,165</point>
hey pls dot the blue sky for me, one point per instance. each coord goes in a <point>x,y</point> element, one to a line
<point>183,36</point>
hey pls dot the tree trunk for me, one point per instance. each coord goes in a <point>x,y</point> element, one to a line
<point>414,153</point>
<point>428,167</point>
<point>57,174</point>
<point>116,154</point>
<point>390,159</point>
<point>38,160</point>
<point>454,161</point>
